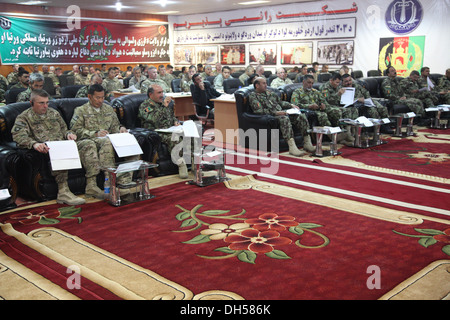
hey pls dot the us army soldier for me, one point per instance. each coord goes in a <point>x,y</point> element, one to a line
<point>38,124</point>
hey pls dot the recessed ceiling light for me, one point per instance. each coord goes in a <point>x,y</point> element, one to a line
<point>118,6</point>
<point>32,3</point>
<point>247,3</point>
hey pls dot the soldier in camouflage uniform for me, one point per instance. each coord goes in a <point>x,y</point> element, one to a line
<point>39,124</point>
<point>95,79</point>
<point>248,72</point>
<point>361,93</point>
<point>24,79</point>
<point>36,83</point>
<point>83,77</point>
<point>444,87</point>
<point>111,83</point>
<point>332,93</point>
<point>13,77</point>
<point>3,87</point>
<point>91,122</point>
<point>393,91</point>
<point>157,113</point>
<point>186,79</point>
<point>281,79</point>
<point>410,88</point>
<point>263,101</point>
<point>309,98</point>
<point>152,79</point>
<point>164,76</point>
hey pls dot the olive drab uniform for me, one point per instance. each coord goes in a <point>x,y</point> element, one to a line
<point>333,98</point>
<point>149,82</point>
<point>408,85</point>
<point>97,151</point>
<point>392,90</point>
<point>269,103</point>
<point>304,98</point>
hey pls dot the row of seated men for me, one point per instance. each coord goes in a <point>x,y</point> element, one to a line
<point>89,126</point>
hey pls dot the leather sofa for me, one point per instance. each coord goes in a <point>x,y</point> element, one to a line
<point>8,160</point>
<point>263,124</point>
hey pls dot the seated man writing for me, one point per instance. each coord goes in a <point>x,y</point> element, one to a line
<point>263,101</point>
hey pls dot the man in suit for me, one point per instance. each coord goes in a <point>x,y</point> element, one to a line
<point>202,93</point>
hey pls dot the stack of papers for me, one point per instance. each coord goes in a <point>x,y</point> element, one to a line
<point>326,130</point>
<point>188,129</point>
<point>293,111</point>
<point>125,144</point>
<point>64,155</point>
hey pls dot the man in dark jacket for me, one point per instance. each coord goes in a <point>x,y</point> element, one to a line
<point>202,93</point>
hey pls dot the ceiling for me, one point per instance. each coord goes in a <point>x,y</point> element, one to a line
<point>172,7</point>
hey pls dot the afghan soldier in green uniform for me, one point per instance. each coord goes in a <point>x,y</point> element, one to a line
<point>152,79</point>
<point>263,101</point>
<point>3,87</point>
<point>111,83</point>
<point>332,93</point>
<point>444,87</point>
<point>411,89</point>
<point>361,93</point>
<point>208,72</point>
<point>393,91</point>
<point>92,122</point>
<point>309,98</point>
<point>157,113</point>
<point>36,83</point>
<point>281,79</point>
<point>39,124</point>
<point>24,79</point>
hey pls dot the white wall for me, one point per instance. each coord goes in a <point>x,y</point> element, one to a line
<point>370,27</point>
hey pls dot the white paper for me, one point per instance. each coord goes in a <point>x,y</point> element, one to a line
<point>129,166</point>
<point>63,155</point>
<point>430,84</point>
<point>348,97</point>
<point>4,194</point>
<point>190,129</point>
<point>176,129</point>
<point>368,102</point>
<point>293,111</point>
<point>125,144</point>
<point>365,121</point>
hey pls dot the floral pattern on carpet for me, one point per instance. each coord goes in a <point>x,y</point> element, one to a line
<point>247,238</point>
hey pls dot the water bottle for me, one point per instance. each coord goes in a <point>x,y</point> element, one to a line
<point>106,188</point>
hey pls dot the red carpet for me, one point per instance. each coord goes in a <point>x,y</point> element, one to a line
<point>299,251</point>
